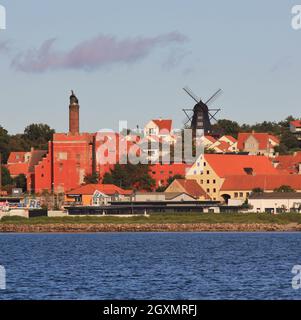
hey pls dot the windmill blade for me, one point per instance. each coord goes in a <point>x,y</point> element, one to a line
<point>192,95</point>
<point>212,115</point>
<point>214,96</point>
<point>188,113</point>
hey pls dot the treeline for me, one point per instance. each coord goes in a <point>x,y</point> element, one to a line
<point>281,129</point>
<point>34,135</point>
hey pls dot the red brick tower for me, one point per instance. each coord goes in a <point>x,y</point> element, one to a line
<point>73,115</point>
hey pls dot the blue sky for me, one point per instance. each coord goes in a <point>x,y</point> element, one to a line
<point>128,60</point>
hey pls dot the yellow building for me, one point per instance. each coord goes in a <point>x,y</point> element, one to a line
<point>212,170</point>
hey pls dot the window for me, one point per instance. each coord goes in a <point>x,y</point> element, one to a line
<point>205,164</point>
<point>198,164</point>
<point>170,172</point>
<point>214,181</point>
<point>236,195</point>
<point>214,190</point>
<point>194,172</point>
<point>208,190</point>
<point>202,181</point>
<point>62,156</point>
<point>208,181</point>
<point>248,194</point>
<point>208,172</point>
<point>241,194</point>
<point>42,175</point>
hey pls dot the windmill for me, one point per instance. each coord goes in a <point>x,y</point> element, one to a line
<point>199,118</point>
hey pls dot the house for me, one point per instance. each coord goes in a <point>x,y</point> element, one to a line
<point>161,173</point>
<point>156,133</point>
<point>239,187</point>
<point>257,143</point>
<point>276,202</point>
<point>24,163</point>
<point>211,170</point>
<point>86,195</point>
<point>288,163</point>
<point>162,197</point>
<point>159,127</point>
<point>295,128</point>
<point>189,187</point>
<point>208,141</point>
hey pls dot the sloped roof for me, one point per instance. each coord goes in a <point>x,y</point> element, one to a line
<point>16,169</point>
<point>296,123</point>
<point>265,182</point>
<point>163,124</point>
<point>108,189</point>
<point>223,146</point>
<point>192,188</point>
<point>16,157</point>
<point>232,139</point>
<point>232,164</point>
<point>262,138</point>
<point>210,138</point>
<point>290,163</point>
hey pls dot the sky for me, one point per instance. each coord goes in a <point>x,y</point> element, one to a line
<point>129,60</point>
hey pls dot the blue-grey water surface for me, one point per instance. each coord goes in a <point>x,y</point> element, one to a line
<point>150,265</point>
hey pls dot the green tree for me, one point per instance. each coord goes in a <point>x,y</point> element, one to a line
<point>289,141</point>
<point>21,182</point>
<point>227,127</point>
<point>6,178</point>
<point>4,144</point>
<point>38,135</point>
<point>92,178</point>
<point>257,190</point>
<point>170,180</point>
<point>284,189</point>
<point>130,176</point>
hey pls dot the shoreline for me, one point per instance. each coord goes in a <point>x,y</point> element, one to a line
<point>148,227</point>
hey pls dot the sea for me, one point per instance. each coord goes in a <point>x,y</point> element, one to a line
<point>148,266</point>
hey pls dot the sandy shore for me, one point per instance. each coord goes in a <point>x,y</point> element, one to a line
<point>197,227</point>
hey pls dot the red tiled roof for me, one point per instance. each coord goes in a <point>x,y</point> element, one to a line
<point>296,123</point>
<point>16,157</point>
<point>18,168</point>
<point>163,124</point>
<point>265,182</point>
<point>192,188</point>
<point>223,146</point>
<point>232,139</point>
<point>262,138</point>
<point>290,163</point>
<point>211,139</point>
<point>230,164</point>
<point>108,189</point>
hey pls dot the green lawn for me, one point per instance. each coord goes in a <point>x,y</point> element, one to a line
<point>166,218</point>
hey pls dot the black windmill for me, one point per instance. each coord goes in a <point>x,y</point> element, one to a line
<point>199,118</point>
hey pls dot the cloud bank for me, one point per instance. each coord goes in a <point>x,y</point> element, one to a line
<point>92,54</point>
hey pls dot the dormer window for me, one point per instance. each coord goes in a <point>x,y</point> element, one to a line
<point>249,171</point>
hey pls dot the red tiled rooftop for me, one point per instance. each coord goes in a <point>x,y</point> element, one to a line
<point>163,124</point>
<point>296,123</point>
<point>228,164</point>
<point>192,188</point>
<point>265,182</point>
<point>16,169</point>
<point>262,138</point>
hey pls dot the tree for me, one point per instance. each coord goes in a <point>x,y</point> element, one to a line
<point>284,189</point>
<point>257,190</point>
<point>38,135</point>
<point>92,178</point>
<point>227,127</point>
<point>6,178</point>
<point>130,176</point>
<point>4,144</point>
<point>172,179</point>
<point>20,182</point>
<point>289,140</point>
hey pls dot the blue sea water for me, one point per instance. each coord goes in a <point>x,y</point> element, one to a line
<point>150,265</point>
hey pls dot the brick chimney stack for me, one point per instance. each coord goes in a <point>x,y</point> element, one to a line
<point>73,115</point>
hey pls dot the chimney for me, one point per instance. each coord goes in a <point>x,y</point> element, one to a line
<point>73,115</point>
